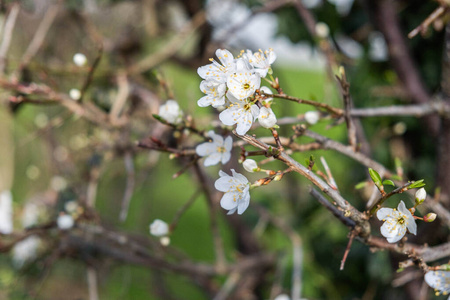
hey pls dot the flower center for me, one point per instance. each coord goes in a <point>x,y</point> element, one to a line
<point>220,149</point>
<point>246,86</point>
<point>401,220</point>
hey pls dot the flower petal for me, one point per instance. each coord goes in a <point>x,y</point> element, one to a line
<point>225,157</point>
<point>205,149</point>
<point>213,159</point>
<point>384,213</point>
<point>229,200</point>
<point>243,204</point>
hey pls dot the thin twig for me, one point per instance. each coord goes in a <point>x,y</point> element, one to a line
<point>437,13</point>
<point>129,189</point>
<point>7,34</point>
<point>347,250</point>
<point>38,38</point>
<point>335,111</point>
<point>91,72</point>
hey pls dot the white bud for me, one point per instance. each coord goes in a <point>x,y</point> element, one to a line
<point>282,297</point>
<point>65,222</point>
<point>250,165</point>
<point>171,112</point>
<point>75,94</point>
<point>80,59</point>
<point>322,30</point>
<point>266,90</point>
<point>159,228</point>
<point>421,195</point>
<point>312,117</point>
<point>266,117</point>
<point>165,241</point>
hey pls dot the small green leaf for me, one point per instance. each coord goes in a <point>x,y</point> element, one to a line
<point>396,177</point>
<point>376,178</point>
<point>159,118</point>
<point>361,185</point>
<point>388,182</point>
<point>417,184</point>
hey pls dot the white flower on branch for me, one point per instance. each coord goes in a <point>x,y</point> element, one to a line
<point>439,281</point>
<point>218,150</point>
<point>215,93</point>
<point>65,222</point>
<point>159,228</point>
<point>219,71</point>
<point>312,117</point>
<point>266,117</point>
<point>239,112</point>
<point>75,94</point>
<point>6,212</point>
<point>236,189</point>
<point>171,112</point>
<point>396,221</point>
<point>262,61</point>
<point>243,83</point>
<point>25,250</point>
<point>80,59</point>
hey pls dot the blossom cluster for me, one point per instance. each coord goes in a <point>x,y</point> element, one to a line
<point>232,82</point>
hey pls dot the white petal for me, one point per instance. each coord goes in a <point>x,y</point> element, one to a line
<point>232,211</point>
<point>224,184</point>
<point>225,157</point>
<point>243,204</point>
<point>228,144</point>
<point>204,101</point>
<point>205,149</point>
<point>244,124</point>
<point>229,200</point>
<point>212,159</point>
<point>402,208</point>
<point>384,213</point>
<point>227,117</point>
<point>222,174</point>
<point>411,225</point>
<point>217,139</point>
<point>239,177</point>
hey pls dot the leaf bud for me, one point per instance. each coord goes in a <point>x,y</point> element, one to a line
<point>430,217</point>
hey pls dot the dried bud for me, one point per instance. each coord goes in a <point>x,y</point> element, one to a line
<point>421,195</point>
<point>278,177</point>
<point>430,217</point>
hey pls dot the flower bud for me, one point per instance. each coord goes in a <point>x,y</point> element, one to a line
<point>165,241</point>
<point>159,228</point>
<point>421,195</point>
<point>266,91</point>
<point>250,165</point>
<point>322,30</point>
<point>65,222</point>
<point>312,117</point>
<point>266,117</point>
<point>75,94</point>
<point>430,217</point>
<point>80,59</point>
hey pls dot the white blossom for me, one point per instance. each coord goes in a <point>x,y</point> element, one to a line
<point>6,212</point>
<point>215,93</point>
<point>266,91</point>
<point>75,94</point>
<point>218,150</point>
<point>159,228</point>
<point>250,165</point>
<point>219,71</point>
<point>236,189</point>
<point>243,83</point>
<point>80,59</point>
<point>439,280</point>
<point>282,297</point>
<point>171,112</point>
<point>241,113</point>
<point>25,250</point>
<point>420,196</point>
<point>396,221</point>
<point>266,117</point>
<point>65,222</point>
<point>312,117</point>
<point>261,60</point>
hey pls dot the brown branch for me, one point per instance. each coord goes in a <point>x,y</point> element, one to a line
<point>422,28</point>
